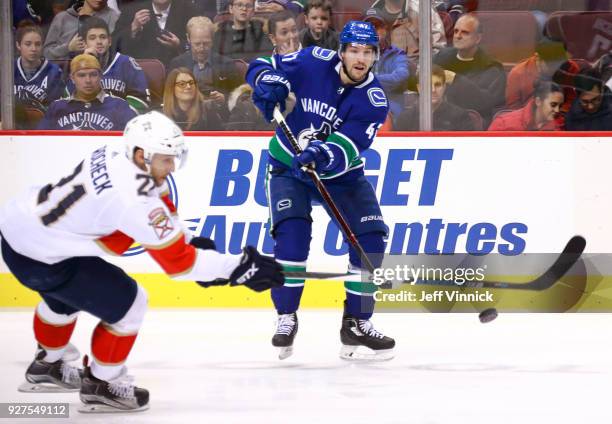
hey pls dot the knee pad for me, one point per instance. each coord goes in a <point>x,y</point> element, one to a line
<point>132,320</point>
<point>44,311</point>
<point>374,246</point>
<point>292,239</point>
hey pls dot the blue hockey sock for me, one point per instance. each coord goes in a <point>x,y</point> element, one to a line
<point>287,298</point>
<point>359,299</point>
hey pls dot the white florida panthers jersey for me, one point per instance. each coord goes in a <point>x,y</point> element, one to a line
<point>101,207</point>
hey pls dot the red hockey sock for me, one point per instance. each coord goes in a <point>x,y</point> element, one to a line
<point>110,348</point>
<point>52,336</point>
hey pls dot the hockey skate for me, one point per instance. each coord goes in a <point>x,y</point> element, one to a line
<point>286,329</point>
<point>117,395</point>
<point>71,353</point>
<point>51,377</point>
<point>358,335</point>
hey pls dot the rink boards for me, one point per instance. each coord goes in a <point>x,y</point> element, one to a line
<point>510,195</point>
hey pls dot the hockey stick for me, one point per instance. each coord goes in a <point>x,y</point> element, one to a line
<point>346,230</point>
<point>568,257</point>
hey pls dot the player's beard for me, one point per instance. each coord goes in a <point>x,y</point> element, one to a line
<point>355,81</point>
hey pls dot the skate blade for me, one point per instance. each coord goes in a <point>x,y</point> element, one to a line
<point>353,353</point>
<point>71,353</point>
<point>285,352</point>
<point>28,387</point>
<point>99,408</point>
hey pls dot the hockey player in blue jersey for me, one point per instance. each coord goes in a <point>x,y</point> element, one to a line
<point>339,107</point>
<point>90,108</point>
<point>37,82</point>
<point>122,76</point>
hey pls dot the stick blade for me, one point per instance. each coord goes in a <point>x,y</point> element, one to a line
<point>568,257</point>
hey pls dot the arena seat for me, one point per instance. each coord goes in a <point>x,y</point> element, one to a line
<point>525,5</point>
<point>242,67</point>
<point>509,36</point>
<point>587,35</point>
<point>341,18</point>
<point>359,6</point>
<point>476,119</point>
<point>155,72</point>
<point>64,65</point>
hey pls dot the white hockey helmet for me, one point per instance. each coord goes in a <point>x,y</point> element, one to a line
<point>154,132</point>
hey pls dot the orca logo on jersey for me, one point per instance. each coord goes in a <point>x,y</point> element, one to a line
<point>310,134</point>
<point>323,54</point>
<point>135,64</point>
<point>377,97</point>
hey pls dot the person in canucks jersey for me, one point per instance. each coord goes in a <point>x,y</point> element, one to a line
<point>339,107</point>
<point>37,82</point>
<point>121,75</point>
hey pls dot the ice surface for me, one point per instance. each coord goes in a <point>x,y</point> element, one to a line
<point>218,366</point>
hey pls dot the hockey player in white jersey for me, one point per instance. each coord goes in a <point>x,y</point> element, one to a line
<point>52,240</point>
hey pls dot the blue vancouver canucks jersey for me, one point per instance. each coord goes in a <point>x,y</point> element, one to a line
<point>346,117</point>
<point>45,85</point>
<point>123,77</point>
<point>105,112</point>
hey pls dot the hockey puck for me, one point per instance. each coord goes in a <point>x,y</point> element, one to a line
<point>487,315</point>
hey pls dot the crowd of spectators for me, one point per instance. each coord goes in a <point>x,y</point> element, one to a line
<point>93,58</point>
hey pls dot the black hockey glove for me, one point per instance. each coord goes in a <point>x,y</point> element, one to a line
<point>257,272</point>
<point>203,243</point>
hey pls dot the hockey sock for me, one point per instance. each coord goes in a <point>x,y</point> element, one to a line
<point>109,350</point>
<point>53,331</point>
<point>360,299</point>
<point>287,298</point>
<point>360,295</point>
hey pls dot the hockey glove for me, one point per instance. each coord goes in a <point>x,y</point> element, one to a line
<point>271,88</point>
<point>255,271</point>
<point>316,153</point>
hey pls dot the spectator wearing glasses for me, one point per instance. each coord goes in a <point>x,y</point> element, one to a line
<point>153,29</point>
<point>592,109</point>
<point>242,37</point>
<point>185,104</point>
<point>217,75</point>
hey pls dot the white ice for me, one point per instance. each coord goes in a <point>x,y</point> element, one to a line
<point>217,366</point>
